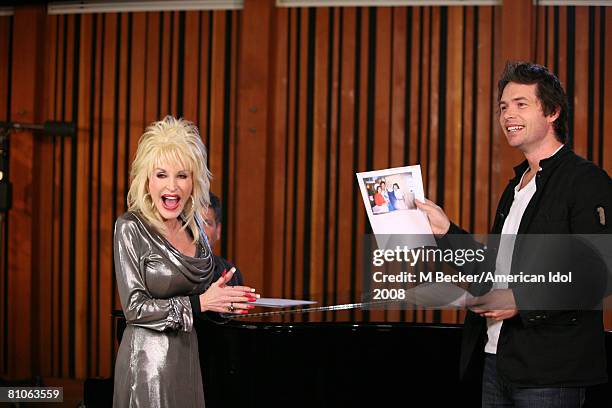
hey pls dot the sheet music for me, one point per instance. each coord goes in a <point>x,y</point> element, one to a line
<point>280,303</point>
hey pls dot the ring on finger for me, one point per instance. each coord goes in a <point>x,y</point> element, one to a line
<point>231,307</point>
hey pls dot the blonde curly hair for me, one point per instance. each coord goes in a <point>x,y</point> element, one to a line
<point>170,140</point>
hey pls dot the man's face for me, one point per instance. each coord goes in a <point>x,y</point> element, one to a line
<point>522,119</point>
<point>211,227</point>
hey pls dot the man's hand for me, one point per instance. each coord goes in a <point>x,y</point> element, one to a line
<point>498,304</point>
<point>438,220</point>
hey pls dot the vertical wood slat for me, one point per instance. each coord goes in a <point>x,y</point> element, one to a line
<point>594,120</point>
<point>397,108</point>
<point>382,38</point>
<point>138,90</point>
<point>454,167</point>
<point>44,224</point>
<point>165,64</point>
<point>415,86</point>
<point>399,48</point>
<point>484,123</point>
<point>344,166</point>
<point>173,61</point>
<point>275,165</point>
<point>382,73</point>
<point>300,164</point>
<point>498,149</point>
<point>357,39</point>
<point>217,95</point>
<point>65,170</point>
<point>424,102</point>
<point>56,287</point>
<point>153,72</point>
<point>288,273</point>
<point>253,85</point>
<point>203,74</point>
<point>122,119</point>
<point>191,65</point>
<point>433,123</point>
<point>228,177</point>
<point>338,47</point>
<point>453,163</point>
<point>466,187</point>
<point>105,199</point>
<point>319,154</point>
<point>550,36</point>
<point>581,81</point>
<point>83,280</point>
<point>359,47</point>
<point>94,193</point>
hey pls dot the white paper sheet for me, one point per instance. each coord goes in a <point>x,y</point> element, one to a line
<point>280,303</point>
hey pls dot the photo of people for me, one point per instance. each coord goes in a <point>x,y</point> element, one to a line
<point>389,197</point>
<point>390,193</point>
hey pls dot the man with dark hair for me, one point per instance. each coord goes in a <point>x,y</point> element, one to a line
<point>542,358</point>
<point>548,91</point>
<point>212,217</point>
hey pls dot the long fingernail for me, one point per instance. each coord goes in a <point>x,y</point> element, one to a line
<point>251,306</point>
<point>252,289</point>
<point>244,311</point>
<point>252,299</point>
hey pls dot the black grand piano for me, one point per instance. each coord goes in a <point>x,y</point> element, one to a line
<point>337,359</point>
<point>255,363</point>
<point>331,364</point>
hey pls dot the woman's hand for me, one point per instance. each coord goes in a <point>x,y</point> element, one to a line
<point>227,299</point>
<point>438,219</point>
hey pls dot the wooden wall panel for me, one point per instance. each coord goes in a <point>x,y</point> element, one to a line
<point>578,58</point>
<point>582,74</point>
<point>112,75</point>
<point>289,114</point>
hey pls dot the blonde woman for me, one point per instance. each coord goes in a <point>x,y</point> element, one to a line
<point>164,270</point>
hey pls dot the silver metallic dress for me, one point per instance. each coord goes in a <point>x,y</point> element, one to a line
<point>157,363</point>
